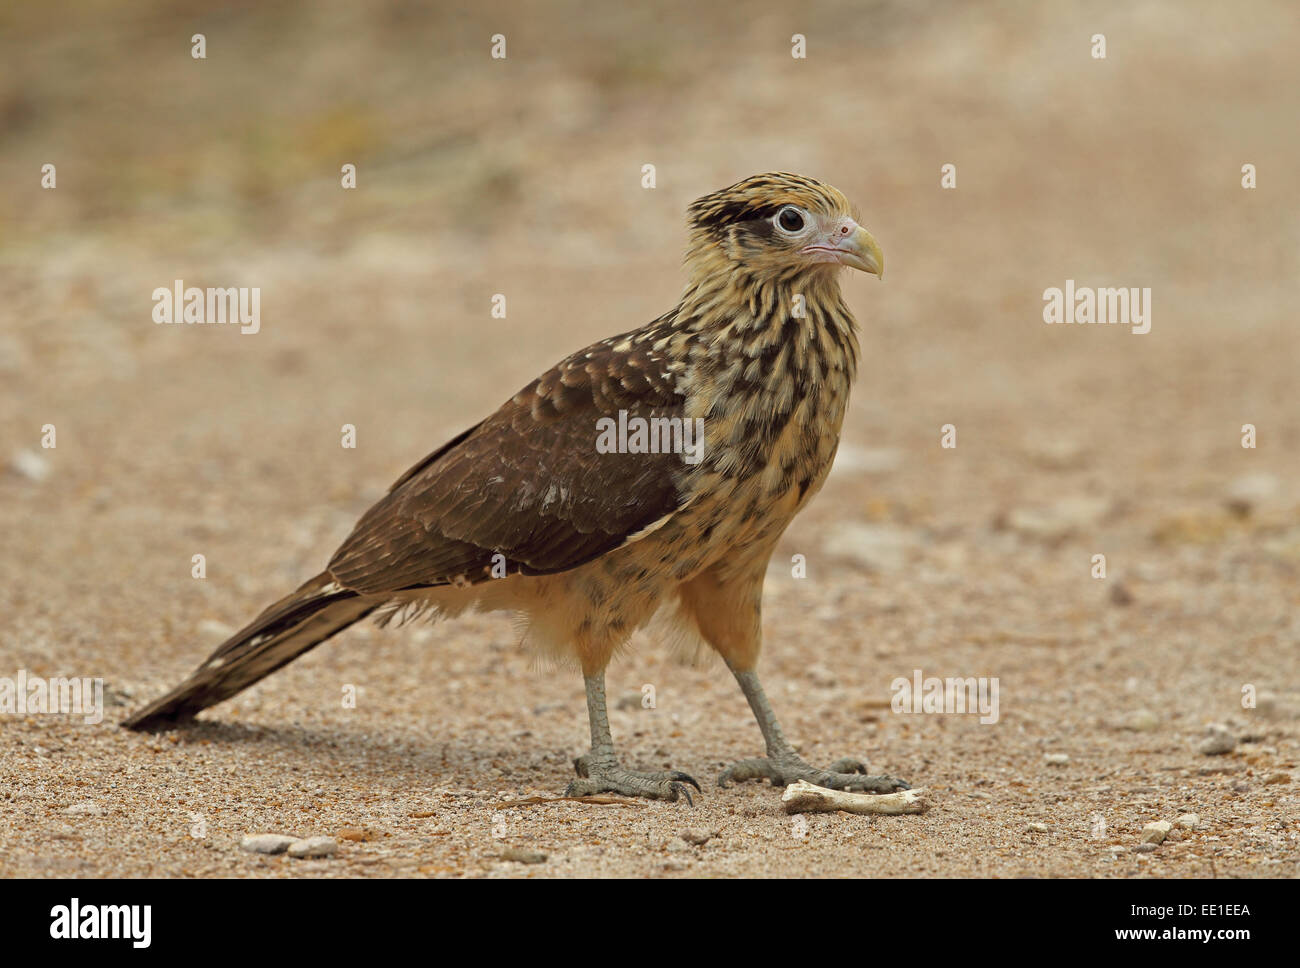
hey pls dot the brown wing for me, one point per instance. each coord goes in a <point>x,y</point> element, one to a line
<point>528,482</point>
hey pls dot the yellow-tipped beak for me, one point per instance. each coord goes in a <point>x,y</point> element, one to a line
<point>848,244</point>
<point>861,251</point>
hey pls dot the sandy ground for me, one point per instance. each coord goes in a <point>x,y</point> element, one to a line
<point>523,177</point>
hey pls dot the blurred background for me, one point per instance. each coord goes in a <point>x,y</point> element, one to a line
<point>523,176</point>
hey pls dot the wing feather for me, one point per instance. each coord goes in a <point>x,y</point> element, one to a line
<point>527,482</point>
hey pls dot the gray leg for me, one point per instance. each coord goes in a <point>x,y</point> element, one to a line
<point>782,764</point>
<point>599,771</point>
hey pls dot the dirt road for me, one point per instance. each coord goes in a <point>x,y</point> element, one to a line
<point>524,177</point>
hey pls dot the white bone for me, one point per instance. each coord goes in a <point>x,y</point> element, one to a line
<point>803,797</point>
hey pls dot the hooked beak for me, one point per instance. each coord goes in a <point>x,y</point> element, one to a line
<point>854,248</point>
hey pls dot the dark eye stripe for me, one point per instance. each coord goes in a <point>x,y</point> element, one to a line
<point>741,210</point>
<point>762,197</point>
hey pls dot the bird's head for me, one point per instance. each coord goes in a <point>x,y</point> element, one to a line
<point>782,226</point>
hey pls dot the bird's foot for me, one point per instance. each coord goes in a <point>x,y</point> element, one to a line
<point>606,776</point>
<point>845,774</point>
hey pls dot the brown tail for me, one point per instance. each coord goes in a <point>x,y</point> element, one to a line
<point>296,623</point>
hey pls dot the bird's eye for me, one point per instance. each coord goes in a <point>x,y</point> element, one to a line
<point>790,219</point>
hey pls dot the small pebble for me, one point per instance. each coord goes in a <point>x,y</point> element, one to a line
<point>878,547</point>
<point>210,628</point>
<point>522,856</point>
<point>1144,848</point>
<point>1156,831</point>
<point>821,676</point>
<point>267,843</point>
<point>29,464</point>
<point>1142,721</point>
<point>1060,520</point>
<point>14,357</point>
<point>1219,741</point>
<point>1038,828</point>
<point>314,847</point>
<point>1057,454</point>
<point>1056,759</point>
<point>1189,821</point>
<point>85,810</point>
<point>698,837</point>
<point>1277,778</point>
<point>858,460</point>
<point>1268,705</point>
<point>1248,492</point>
<point>629,701</point>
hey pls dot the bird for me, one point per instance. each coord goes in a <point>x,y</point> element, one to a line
<point>564,509</point>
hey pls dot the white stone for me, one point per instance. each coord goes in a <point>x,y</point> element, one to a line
<point>267,843</point>
<point>1156,831</point>
<point>29,464</point>
<point>1057,521</point>
<point>313,847</point>
<point>880,547</point>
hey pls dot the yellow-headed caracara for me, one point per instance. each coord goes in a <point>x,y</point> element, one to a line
<point>590,541</point>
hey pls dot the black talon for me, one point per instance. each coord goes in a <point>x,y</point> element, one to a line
<point>678,788</point>
<point>686,778</point>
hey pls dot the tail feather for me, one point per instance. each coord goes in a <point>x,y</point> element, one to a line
<point>296,623</point>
